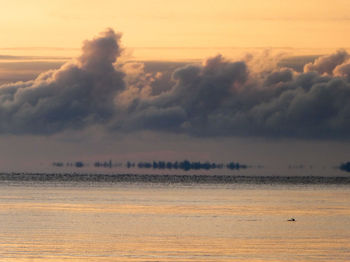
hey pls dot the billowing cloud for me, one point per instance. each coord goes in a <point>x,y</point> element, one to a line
<point>326,64</point>
<point>225,98</point>
<point>217,98</point>
<point>77,94</point>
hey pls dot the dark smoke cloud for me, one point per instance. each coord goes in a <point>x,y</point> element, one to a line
<point>218,98</point>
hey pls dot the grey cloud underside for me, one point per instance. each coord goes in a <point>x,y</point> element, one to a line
<point>74,96</point>
<point>222,99</point>
<point>218,98</point>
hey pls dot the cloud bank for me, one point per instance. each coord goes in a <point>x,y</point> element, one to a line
<point>218,98</point>
<point>78,94</point>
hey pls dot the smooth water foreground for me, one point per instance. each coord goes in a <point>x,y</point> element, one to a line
<point>84,221</point>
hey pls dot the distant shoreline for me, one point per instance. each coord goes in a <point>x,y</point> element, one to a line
<point>173,179</point>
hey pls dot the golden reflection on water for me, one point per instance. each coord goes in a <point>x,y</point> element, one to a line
<point>177,210</point>
<point>174,223</point>
<point>192,249</point>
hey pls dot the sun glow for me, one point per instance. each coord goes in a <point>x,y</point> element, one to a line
<point>154,29</point>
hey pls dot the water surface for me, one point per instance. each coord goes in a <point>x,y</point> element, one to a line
<point>98,221</point>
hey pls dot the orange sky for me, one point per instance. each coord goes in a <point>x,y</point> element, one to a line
<point>156,29</point>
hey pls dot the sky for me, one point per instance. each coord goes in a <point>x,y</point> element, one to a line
<point>259,82</point>
<point>58,27</point>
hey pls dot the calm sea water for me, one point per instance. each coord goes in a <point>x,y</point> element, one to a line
<point>98,221</point>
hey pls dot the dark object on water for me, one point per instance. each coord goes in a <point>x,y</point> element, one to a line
<point>292,220</point>
<point>345,167</point>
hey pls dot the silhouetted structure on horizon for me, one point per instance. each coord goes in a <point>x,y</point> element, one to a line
<point>187,165</point>
<point>107,164</point>
<point>183,165</point>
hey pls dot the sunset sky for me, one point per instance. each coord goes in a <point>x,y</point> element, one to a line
<point>58,27</point>
<point>259,82</point>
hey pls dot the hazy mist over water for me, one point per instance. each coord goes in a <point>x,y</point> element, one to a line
<point>98,221</point>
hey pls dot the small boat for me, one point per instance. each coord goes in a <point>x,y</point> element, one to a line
<point>291,219</point>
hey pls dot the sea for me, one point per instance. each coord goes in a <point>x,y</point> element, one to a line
<point>129,217</point>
